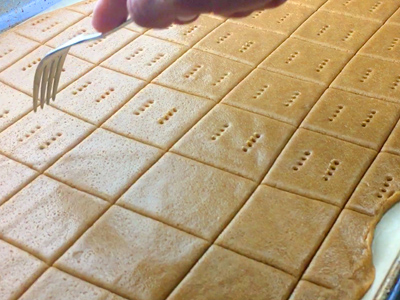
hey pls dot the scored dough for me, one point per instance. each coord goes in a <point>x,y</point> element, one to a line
<point>201,211</point>
<point>284,19</point>
<point>97,95</point>
<point>256,231</point>
<point>158,115</point>
<point>18,270</point>
<point>204,74</point>
<point>13,176</point>
<point>371,77</point>
<point>104,164</point>
<point>10,51</point>
<point>211,278</point>
<point>47,216</point>
<point>357,119</point>
<point>320,167</point>
<point>240,142</point>
<point>276,96</point>
<point>133,255</point>
<point>337,31</point>
<point>21,74</point>
<point>38,140</point>
<point>241,43</point>
<point>43,27</point>
<point>145,57</point>
<point>307,61</point>
<point>54,283</point>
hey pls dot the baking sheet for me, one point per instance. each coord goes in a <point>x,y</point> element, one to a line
<point>386,244</point>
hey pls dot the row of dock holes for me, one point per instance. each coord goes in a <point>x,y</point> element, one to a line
<point>385,187</point>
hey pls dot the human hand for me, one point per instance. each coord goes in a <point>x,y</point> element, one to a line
<point>109,14</point>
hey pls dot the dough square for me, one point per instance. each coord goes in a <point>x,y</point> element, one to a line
<point>132,255</point>
<point>262,231</point>
<point>46,217</point>
<point>395,17</point>
<point>13,176</point>
<point>306,290</point>
<point>283,19</point>
<point>13,105</point>
<point>97,95</point>
<point>39,139</point>
<point>94,51</point>
<point>379,183</point>
<point>145,57</point>
<point>320,167</point>
<point>276,96</point>
<point>338,31</point>
<point>307,61</point>
<point>54,283</point>
<point>353,118</point>
<point>311,3</point>
<point>204,74</point>
<point>44,27</point>
<point>250,279</point>
<point>21,74</point>
<point>11,50</point>
<point>158,116</point>
<point>334,264</point>
<point>392,145</point>
<point>83,7</point>
<point>104,164</point>
<point>18,270</point>
<point>237,141</point>
<point>188,34</point>
<point>366,9</point>
<point>371,77</point>
<point>385,43</point>
<point>241,43</point>
<point>194,209</point>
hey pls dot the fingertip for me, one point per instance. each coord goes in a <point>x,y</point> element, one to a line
<point>152,13</point>
<point>109,14</point>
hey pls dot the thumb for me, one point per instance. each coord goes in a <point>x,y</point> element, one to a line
<point>158,13</point>
<point>109,14</point>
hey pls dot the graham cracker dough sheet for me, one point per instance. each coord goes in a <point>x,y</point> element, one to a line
<point>222,159</point>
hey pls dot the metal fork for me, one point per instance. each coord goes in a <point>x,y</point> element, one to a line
<point>48,71</point>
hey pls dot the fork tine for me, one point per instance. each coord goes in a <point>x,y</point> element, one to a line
<point>45,79</point>
<point>51,80</point>
<point>36,85</point>
<point>58,74</point>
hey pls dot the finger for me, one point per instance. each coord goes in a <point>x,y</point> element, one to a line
<point>109,14</point>
<point>152,13</point>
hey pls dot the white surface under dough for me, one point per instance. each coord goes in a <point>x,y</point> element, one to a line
<point>385,247</point>
<point>386,244</point>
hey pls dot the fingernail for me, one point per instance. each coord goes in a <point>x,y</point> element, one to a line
<point>187,18</point>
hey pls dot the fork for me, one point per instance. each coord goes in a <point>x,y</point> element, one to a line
<point>48,71</point>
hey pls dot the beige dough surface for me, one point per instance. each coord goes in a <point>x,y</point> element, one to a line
<point>337,31</point>
<point>307,61</point>
<point>54,283</point>
<point>244,44</point>
<point>358,119</point>
<point>145,57</point>
<point>159,116</point>
<point>225,159</point>
<point>98,95</point>
<point>253,280</point>
<point>158,194</point>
